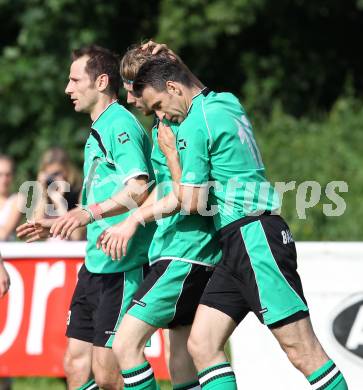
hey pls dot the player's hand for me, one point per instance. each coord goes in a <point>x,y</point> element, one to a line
<point>34,230</point>
<point>4,280</point>
<point>166,140</point>
<point>158,48</point>
<point>64,226</point>
<point>114,240</point>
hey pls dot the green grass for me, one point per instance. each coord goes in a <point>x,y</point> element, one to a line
<point>38,384</point>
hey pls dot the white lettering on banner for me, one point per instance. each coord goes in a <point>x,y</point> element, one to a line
<point>47,278</point>
<point>154,351</point>
<point>15,309</point>
<point>355,338</point>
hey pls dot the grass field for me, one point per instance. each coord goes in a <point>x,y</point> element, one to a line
<point>55,384</point>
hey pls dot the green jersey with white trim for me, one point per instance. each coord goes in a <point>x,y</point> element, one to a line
<point>216,147</point>
<point>117,150</point>
<point>190,238</point>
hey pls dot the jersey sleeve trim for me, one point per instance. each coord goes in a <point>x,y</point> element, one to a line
<point>133,175</point>
<point>194,184</point>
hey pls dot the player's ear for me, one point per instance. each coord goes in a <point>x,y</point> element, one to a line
<point>102,82</point>
<point>173,88</point>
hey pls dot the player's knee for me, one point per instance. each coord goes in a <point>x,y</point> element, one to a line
<point>303,353</point>
<point>295,355</point>
<point>107,380</point>
<point>126,350</point>
<point>117,349</point>
<point>198,347</point>
<point>78,363</point>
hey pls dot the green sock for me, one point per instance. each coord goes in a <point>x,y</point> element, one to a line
<point>140,377</point>
<point>220,376</point>
<point>192,385</point>
<point>327,377</point>
<point>89,385</point>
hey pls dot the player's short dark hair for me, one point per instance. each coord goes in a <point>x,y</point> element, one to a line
<point>156,72</point>
<point>101,61</point>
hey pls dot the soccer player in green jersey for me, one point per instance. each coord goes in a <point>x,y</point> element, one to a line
<point>182,255</point>
<point>217,149</point>
<point>116,173</point>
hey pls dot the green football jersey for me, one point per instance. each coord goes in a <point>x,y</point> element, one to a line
<point>117,149</point>
<point>190,238</point>
<point>217,148</point>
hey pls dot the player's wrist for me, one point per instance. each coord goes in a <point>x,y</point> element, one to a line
<point>135,218</point>
<point>89,215</point>
<point>96,211</point>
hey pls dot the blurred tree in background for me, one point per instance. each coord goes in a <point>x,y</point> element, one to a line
<point>295,64</point>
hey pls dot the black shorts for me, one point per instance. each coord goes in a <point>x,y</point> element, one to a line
<point>170,293</point>
<point>258,272</point>
<point>99,303</point>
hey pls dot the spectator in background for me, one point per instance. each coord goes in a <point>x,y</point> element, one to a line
<point>10,214</point>
<point>61,186</point>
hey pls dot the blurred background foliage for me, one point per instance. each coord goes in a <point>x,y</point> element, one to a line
<point>295,64</point>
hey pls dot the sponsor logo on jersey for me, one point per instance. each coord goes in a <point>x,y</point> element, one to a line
<point>140,303</point>
<point>182,144</point>
<point>347,326</point>
<point>286,236</point>
<point>123,138</point>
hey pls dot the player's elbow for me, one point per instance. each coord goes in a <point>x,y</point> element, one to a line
<point>138,190</point>
<point>140,198</point>
<point>191,199</point>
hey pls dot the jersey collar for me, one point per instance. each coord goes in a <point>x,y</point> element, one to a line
<point>113,102</point>
<point>204,91</point>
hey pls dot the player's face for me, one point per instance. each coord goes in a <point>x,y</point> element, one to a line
<point>169,105</point>
<point>134,101</point>
<point>6,176</point>
<point>80,88</point>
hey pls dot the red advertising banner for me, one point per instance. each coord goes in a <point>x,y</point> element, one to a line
<point>33,315</point>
